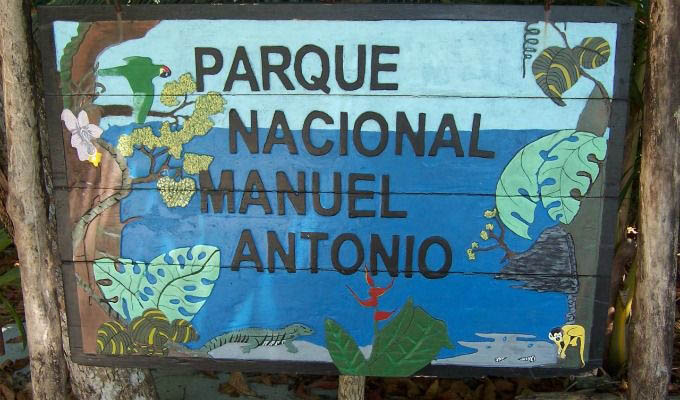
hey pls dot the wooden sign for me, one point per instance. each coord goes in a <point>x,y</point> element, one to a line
<point>363,189</point>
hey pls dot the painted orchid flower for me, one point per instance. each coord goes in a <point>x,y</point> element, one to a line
<point>82,135</point>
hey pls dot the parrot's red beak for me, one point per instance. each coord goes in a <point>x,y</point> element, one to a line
<point>165,72</point>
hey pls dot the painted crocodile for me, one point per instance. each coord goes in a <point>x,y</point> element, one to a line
<point>257,337</point>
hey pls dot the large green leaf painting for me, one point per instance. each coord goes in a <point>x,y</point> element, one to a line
<point>177,282</point>
<point>344,350</point>
<point>409,342</point>
<point>548,171</point>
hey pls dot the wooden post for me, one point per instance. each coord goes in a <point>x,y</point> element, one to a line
<point>27,206</point>
<point>351,387</point>
<point>654,306</point>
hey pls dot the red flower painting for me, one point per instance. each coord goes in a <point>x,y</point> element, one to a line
<point>373,294</point>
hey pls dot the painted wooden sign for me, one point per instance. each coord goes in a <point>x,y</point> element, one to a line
<point>370,190</point>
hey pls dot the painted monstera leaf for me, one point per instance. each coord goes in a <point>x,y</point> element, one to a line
<point>548,171</point>
<point>407,343</point>
<point>344,350</point>
<point>177,282</point>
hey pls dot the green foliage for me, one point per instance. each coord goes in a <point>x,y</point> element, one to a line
<point>548,170</point>
<point>344,350</point>
<point>177,282</point>
<point>408,342</point>
<point>67,60</point>
<point>618,341</point>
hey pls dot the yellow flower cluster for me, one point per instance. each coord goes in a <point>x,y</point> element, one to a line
<point>198,124</point>
<point>490,213</point>
<point>124,146</point>
<point>181,87</point>
<point>139,136</point>
<point>489,227</point>
<point>176,193</point>
<point>471,255</point>
<point>484,235</point>
<point>209,104</point>
<point>195,163</point>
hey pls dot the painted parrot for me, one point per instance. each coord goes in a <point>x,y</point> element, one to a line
<point>139,72</point>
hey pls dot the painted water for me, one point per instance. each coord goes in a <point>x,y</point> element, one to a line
<point>505,350</point>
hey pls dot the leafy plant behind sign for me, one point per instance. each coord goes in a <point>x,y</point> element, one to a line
<point>177,282</point>
<point>546,172</point>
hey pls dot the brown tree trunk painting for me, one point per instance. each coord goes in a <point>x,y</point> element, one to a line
<point>103,232</point>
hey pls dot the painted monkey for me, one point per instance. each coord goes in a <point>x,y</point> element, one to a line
<point>569,335</point>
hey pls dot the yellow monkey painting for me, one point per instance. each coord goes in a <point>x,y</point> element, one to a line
<point>569,335</point>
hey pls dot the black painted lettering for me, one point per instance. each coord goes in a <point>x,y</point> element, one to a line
<point>340,68</point>
<point>354,195</point>
<point>279,120</point>
<point>448,123</point>
<point>201,69</point>
<point>377,67</point>
<point>314,238</point>
<point>337,195</point>
<point>474,150</point>
<point>422,257</point>
<point>391,261</point>
<point>356,134</point>
<point>241,57</point>
<point>254,194</point>
<point>335,253</point>
<point>225,188</point>
<point>408,263</point>
<point>284,189</point>
<point>306,131</point>
<point>385,211</point>
<point>343,133</point>
<point>316,82</point>
<point>252,256</point>
<point>236,125</point>
<point>278,69</point>
<point>404,128</point>
<point>274,246</point>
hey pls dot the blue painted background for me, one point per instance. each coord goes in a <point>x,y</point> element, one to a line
<point>458,67</point>
<point>468,299</point>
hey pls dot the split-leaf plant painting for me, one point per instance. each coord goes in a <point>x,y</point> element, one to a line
<point>365,190</point>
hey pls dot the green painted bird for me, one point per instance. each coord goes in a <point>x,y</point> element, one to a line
<point>139,72</point>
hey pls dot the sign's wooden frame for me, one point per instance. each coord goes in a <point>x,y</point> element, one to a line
<point>622,16</point>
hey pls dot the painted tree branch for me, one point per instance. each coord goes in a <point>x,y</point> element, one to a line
<point>119,110</point>
<point>126,185</point>
<point>102,302</point>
